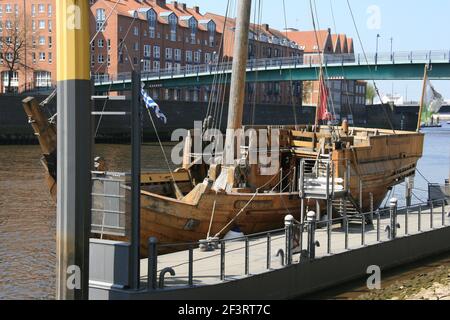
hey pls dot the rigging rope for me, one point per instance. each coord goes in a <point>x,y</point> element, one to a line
<point>294,108</point>
<point>368,66</point>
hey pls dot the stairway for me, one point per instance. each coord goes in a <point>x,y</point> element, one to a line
<point>344,206</point>
<point>349,206</point>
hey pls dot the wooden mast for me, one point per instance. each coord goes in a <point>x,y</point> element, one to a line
<point>422,101</point>
<point>237,87</point>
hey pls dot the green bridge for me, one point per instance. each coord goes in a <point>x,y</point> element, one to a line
<point>397,66</point>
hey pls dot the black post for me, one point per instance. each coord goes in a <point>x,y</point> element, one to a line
<point>136,180</point>
<point>311,220</point>
<point>269,251</point>
<point>152,267</point>
<point>191,266</point>
<point>393,222</point>
<point>222,261</point>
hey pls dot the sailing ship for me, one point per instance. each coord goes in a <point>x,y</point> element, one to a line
<point>206,200</point>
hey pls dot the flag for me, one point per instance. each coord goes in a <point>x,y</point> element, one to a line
<point>323,113</point>
<point>151,104</point>
<point>432,102</point>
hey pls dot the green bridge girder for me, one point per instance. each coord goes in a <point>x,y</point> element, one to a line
<point>404,71</point>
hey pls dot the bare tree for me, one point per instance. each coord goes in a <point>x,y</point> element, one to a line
<point>15,43</point>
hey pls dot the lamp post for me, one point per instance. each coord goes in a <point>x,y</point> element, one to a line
<point>392,51</point>
<point>376,51</point>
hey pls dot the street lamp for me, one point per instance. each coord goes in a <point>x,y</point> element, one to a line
<point>392,51</point>
<point>376,52</point>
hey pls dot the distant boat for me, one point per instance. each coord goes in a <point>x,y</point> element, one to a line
<point>433,125</point>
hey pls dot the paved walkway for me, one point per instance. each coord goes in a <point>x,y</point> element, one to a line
<point>207,264</point>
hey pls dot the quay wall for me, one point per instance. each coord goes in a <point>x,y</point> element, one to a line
<point>306,278</point>
<point>14,127</point>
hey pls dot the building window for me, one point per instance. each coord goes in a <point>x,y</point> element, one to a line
<point>193,27</point>
<point>212,33</point>
<point>100,19</point>
<point>147,51</point>
<point>188,56</point>
<point>156,66</point>
<point>50,10</point>
<point>41,40</point>
<point>173,22</point>
<point>100,43</point>
<point>147,66</point>
<point>42,56</point>
<point>197,57</point>
<point>156,52</point>
<point>136,31</point>
<point>43,79</point>
<point>151,17</point>
<point>42,24</point>
<point>177,54</point>
<point>14,81</point>
<point>169,53</point>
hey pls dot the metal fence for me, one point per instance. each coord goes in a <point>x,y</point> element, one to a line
<point>226,260</point>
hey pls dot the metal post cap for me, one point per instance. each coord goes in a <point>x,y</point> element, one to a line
<point>311,216</point>
<point>393,202</point>
<point>289,220</point>
<point>153,240</point>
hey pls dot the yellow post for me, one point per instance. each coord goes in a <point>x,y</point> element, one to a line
<point>74,149</point>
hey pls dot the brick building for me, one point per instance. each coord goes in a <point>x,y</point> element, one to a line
<point>345,96</point>
<point>264,43</point>
<point>145,35</point>
<point>31,23</point>
<point>151,35</point>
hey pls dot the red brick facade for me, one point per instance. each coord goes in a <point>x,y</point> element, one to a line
<point>36,62</point>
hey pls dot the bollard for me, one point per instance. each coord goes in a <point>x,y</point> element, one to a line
<point>311,221</point>
<point>289,226</point>
<point>152,264</point>
<point>393,224</point>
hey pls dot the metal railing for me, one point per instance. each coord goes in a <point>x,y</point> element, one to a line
<point>228,260</point>
<point>306,61</point>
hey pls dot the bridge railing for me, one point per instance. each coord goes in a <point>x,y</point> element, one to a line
<point>306,61</point>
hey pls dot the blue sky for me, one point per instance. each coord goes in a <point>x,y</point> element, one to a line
<point>413,25</point>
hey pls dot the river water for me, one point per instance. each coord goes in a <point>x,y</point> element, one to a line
<point>27,213</point>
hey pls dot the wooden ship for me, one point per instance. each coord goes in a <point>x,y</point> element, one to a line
<point>206,200</point>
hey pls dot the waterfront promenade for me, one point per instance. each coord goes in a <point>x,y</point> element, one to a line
<point>207,265</point>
